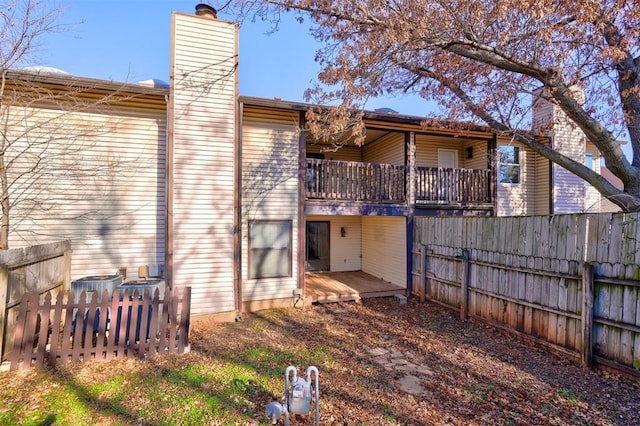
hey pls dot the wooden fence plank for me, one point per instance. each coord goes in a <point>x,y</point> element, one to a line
<point>587,315</point>
<point>464,290</point>
<point>636,341</point>
<point>20,328</point>
<point>158,326</point>
<point>163,346</point>
<point>134,318</point>
<point>563,294</point>
<point>79,321</point>
<point>123,343</point>
<point>114,325</point>
<point>56,330</point>
<point>87,345</point>
<point>67,339</point>
<point>173,320</point>
<point>145,332</point>
<point>103,324</point>
<point>43,334</point>
<point>185,320</point>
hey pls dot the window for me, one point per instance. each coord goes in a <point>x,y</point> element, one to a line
<point>508,164</point>
<point>588,161</point>
<point>269,248</point>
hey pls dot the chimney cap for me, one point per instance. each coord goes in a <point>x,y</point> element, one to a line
<point>203,9</point>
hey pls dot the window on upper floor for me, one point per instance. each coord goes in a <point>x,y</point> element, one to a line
<point>588,161</point>
<point>269,248</point>
<point>508,164</point>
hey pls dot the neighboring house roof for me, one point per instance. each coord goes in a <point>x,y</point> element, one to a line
<point>615,180</point>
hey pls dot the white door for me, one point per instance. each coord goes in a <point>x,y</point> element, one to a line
<point>448,158</point>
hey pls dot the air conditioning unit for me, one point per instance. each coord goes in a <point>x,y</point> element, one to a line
<point>141,285</point>
<point>95,285</point>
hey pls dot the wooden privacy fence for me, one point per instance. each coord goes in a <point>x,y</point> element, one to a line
<point>571,282</point>
<point>38,269</point>
<point>59,331</point>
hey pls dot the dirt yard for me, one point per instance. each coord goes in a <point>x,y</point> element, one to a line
<point>380,363</point>
<point>385,363</point>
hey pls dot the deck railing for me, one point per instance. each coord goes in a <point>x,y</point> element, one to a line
<point>355,181</point>
<point>435,184</point>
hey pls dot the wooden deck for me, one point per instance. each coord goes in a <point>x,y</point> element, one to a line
<point>330,287</point>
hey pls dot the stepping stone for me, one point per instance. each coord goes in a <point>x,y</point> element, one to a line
<point>399,361</point>
<point>423,369</point>
<point>410,384</point>
<point>396,353</point>
<point>407,368</point>
<point>377,352</point>
<point>401,298</point>
<point>382,361</point>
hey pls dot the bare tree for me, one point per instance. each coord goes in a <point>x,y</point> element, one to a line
<point>485,60</point>
<point>51,126</point>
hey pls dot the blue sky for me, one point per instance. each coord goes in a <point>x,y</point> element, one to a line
<point>129,41</point>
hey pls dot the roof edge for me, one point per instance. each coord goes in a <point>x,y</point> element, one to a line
<point>85,82</point>
<point>373,115</point>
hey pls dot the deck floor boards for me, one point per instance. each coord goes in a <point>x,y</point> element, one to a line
<point>329,287</point>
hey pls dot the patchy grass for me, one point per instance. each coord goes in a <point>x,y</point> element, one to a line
<point>474,375</point>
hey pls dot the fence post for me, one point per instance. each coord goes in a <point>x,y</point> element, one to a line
<point>464,289</point>
<point>587,314</point>
<point>423,274</point>
<point>4,299</point>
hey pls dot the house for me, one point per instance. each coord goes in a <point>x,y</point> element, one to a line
<point>236,200</point>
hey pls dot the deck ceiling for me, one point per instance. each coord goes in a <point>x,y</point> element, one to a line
<point>346,139</point>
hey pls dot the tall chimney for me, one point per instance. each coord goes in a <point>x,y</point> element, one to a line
<point>206,11</point>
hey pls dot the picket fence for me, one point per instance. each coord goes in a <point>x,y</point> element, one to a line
<point>570,281</point>
<point>70,330</point>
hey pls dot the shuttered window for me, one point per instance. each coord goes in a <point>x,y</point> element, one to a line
<point>269,248</point>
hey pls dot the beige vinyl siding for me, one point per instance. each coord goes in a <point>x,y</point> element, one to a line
<point>384,250</point>
<point>346,153</point>
<point>541,186</point>
<point>269,189</point>
<point>388,149</point>
<point>516,199</point>
<point>345,253</point>
<point>568,192</point>
<point>568,189</point>
<point>427,149</point>
<point>101,186</point>
<point>479,155</point>
<point>594,201</point>
<point>204,93</point>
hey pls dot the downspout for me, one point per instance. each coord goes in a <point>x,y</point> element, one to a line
<point>302,194</point>
<point>168,240</point>
<point>168,196</point>
<point>237,214</point>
